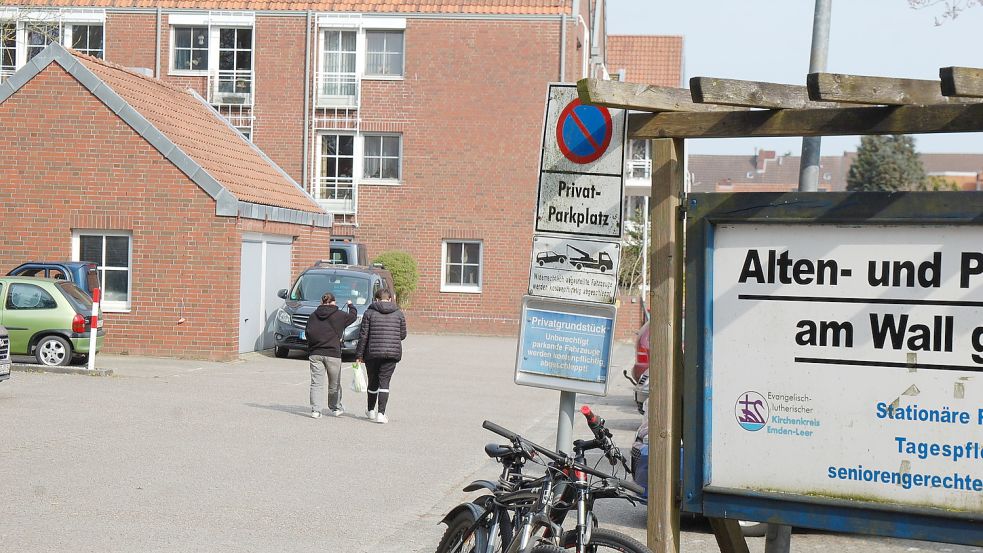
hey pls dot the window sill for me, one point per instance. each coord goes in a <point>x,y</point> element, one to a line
<point>105,309</point>
<point>187,73</point>
<point>459,289</point>
<point>380,182</point>
<point>383,77</point>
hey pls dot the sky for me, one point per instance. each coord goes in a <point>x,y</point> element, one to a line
<point>770,40</point>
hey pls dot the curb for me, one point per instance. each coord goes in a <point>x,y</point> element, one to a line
<point>28,368</point>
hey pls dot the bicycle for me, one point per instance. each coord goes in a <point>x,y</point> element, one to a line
<point>519,508</point>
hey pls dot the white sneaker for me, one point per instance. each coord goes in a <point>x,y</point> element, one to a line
<point>371,415</point>
<point>337,412</point>
<point>381,418</point>
<point>315,414</point>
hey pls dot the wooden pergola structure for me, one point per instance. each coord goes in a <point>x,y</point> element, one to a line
<point>829,105</point>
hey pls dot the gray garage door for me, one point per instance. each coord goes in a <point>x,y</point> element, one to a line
<point>265,270</point>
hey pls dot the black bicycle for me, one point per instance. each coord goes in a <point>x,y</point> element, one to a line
<point>521,514</point>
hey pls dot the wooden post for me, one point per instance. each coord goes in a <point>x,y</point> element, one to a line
<point>665,368</point>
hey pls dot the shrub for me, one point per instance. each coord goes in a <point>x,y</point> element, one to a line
<point>405,275</point>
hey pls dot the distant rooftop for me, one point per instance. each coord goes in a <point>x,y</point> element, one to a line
<point>647,59</point>
<point>490,7</point>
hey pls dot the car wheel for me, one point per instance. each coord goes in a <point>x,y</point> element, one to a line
<point>540,262</point>
<point>752,529</point>
<point>579,266</point>
<point>563,259</point>
<point>281,352</point>
<point>53,351</point>
<point>602,268</point>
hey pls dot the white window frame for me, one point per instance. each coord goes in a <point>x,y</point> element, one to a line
<point>68,35</point>
<point>336,205</point>
<point>208,51</point>
<point>360,140</point>
<point>339,100</point>
<point>64,19</point>
<point>104,305</point>
<point>460,288</point>
<point>379,77</point>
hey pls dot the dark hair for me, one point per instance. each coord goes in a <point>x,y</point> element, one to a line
<point>383,295</point>
<point>327,298</point>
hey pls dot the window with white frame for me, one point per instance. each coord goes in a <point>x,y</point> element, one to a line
<point>112,251</point>
<point>337,169</point>
<point>190,48</point>
<point>39,35</point>
<point>8,49</point>
<point>461,266</point>
<point>87,39</point>
<point>235,60</point>
<point>338,64</point>
<point>382,154</point>
<point>384,53</point>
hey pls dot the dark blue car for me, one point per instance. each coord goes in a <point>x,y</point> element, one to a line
<point>83,274</point>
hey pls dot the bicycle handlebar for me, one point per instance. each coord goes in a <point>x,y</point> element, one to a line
<point>548,453</point>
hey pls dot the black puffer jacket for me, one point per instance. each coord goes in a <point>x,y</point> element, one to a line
<point>383,330</point>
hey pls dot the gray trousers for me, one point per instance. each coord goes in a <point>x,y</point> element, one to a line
<point>322,366</point>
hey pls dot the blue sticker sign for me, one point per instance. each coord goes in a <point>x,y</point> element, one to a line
<point>565,346</point>
<point>584,132</point>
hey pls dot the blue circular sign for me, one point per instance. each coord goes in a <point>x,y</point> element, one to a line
<point>583,132</point>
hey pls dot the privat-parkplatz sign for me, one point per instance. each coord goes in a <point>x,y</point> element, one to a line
<point>581,182</point>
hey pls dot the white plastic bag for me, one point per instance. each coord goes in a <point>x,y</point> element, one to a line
<point>360,381</point>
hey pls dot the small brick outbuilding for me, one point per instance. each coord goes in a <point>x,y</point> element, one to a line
<point>193,227</point>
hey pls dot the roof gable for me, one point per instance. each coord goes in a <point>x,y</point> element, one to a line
<point>189,133</point>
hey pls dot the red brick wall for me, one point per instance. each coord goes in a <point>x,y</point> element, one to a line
<point>279,109</point>
<point>471,112</point>
<point>130,39</point>
<point>185,259</point>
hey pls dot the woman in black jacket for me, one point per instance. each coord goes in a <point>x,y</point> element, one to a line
<point>380,347</point>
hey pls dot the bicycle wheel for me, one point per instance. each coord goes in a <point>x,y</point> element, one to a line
<point>603,541</point>
<point>458,538</point>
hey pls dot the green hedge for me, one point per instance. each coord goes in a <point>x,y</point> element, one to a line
<point>404,271</point>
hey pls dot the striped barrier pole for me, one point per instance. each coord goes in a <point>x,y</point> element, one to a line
<point>94,322</point>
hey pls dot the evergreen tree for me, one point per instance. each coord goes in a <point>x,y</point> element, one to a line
<point>886,164</point>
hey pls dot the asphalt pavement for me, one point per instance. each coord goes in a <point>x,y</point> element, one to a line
<point>179,456</point>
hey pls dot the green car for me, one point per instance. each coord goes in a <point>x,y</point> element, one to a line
<point>47,318</point>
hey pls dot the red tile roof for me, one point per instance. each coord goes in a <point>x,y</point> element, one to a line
<point>205,137</point>
<point>654,60</point>
<point>491,7</point>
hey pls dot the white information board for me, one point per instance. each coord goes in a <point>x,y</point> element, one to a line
<point>576,269</point>
<point>847,362</point>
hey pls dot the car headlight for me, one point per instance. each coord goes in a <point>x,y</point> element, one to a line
<point>282,316</point>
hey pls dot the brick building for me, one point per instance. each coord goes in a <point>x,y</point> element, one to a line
<point>416,123</point>
<point>190,223</point>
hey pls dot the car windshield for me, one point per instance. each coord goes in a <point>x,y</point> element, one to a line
<point>311,286</point>
<point>80,300</point>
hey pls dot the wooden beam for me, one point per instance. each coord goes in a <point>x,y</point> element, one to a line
<point>812,122</point>
<point>857,89</point>
<point>965,82</point>
<point>729,536</point>
<point>666,373</point>
<point>615,94</point>
<point>752,94</point>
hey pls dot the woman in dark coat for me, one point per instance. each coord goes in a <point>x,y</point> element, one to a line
<point>380,347</point>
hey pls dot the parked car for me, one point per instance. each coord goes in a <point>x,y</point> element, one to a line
<point>345,252</point>
<point>358,284</point>
<point>47,318</point>
<point>4,354</point>
<point>85,275</point>
<point>640,471</point>
<point>639,376</point>
<point>549,257</point>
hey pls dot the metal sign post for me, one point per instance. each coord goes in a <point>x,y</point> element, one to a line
<point>567,324</point>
